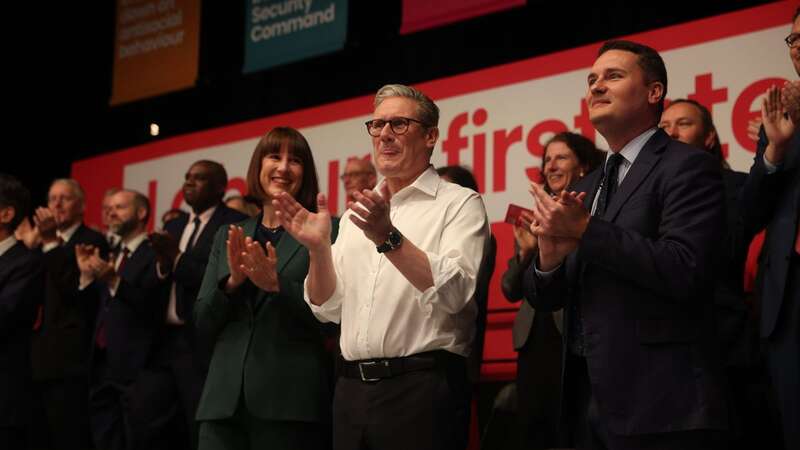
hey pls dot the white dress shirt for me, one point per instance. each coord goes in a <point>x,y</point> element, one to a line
<point>629,154</point>
<point>205,216</point>
<point>382,314</point>
<point>7,243</point>
<point>65,236</point>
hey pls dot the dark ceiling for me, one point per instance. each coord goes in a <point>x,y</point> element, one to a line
<point>66,73</point>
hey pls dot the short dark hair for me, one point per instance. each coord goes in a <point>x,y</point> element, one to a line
<point>588,155</point>
<point>708,126</point>
<point>219,177</point>
<point>296,144</point>
<point>460,176</point>
<point>13,194</point>
<point>649,60</point>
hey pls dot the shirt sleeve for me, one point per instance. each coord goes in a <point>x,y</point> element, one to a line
<point>455,266</point>
<point>331,310</point>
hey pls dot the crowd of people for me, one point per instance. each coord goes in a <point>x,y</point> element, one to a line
<point>264,322</point>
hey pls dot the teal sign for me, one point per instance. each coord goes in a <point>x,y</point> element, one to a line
<point>280,32</point>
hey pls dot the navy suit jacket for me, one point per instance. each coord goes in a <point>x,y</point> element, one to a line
<point>134,317</point>
<point>188,273</point>
<point>60,347</point>
<point>644,277</point>
<point>773,201</point>
<point>21,290</point>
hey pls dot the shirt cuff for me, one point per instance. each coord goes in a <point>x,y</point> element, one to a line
<point>331,310</point>
<point>771,168</point>
<point>542,275</point>
<point>112,288</point>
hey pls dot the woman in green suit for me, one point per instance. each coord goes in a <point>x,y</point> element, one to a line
<point>269,382</point>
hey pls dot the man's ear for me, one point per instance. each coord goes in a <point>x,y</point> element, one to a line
<point>431,136</point>
<point>7,214</point>
<point>141,213</point>
<point>656,92</point>
<point>709,141</point>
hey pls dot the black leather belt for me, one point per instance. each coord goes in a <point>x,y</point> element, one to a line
<point>370,370</point>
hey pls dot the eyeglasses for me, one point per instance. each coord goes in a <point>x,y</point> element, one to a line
<point>399,125</point>
<point>793,40</point>
<point>348,175</point>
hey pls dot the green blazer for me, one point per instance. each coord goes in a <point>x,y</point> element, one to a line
<point>268,350</point>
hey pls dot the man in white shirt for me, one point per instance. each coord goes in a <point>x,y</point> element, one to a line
<point>630,256</point>
<point>400,279</point>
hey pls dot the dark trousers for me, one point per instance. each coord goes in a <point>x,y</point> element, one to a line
<point>783,358</point>
<point>589,431</point>
<point>13,437</point>
<point>66,412</point>
<point>121,412</point>
<point>539,384</point>
<point>244,431</point>
<point>173,385</point>
<point>421,410</point>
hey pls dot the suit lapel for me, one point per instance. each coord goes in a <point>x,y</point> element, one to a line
<point>207,235</point>
<point>644,163</point>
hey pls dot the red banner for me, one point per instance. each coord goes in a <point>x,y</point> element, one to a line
<point>423,14</point>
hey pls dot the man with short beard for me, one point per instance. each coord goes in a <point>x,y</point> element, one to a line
<point>132,303</point>
<point>771,199</point>
<point>64,324</point>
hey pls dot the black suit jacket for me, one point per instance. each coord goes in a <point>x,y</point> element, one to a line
<point>134,317</point>
<point>773,201</point>
<point>644,277</point>
<point>188,273</point>
<point>21,290</point>
<point>60,347</point>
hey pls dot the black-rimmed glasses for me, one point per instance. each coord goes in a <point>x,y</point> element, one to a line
<point>399,125</point>
<point>792,40</point>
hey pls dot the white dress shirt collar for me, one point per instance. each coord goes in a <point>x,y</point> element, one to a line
<point>134,243</point>
<point>66,235</point>
<point>7,243</point>
<point>632,149</point>
<point>204,216</point>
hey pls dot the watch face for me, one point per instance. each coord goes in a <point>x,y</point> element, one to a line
<point>395,238</point>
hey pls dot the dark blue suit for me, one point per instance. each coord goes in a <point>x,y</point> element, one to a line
<point>60,347</point>
<point>643,276</point>
<point>21,290</point>
<point>133,320</point>
<point>175,379</point>
<point>773,201</point>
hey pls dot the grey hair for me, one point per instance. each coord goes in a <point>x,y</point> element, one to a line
<point>74,185</point>
<point>428,111</point>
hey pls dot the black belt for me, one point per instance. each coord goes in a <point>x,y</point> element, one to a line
<point>370,370</point>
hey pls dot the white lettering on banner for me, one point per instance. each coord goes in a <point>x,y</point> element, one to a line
<point>139,32</point>
<point>265,32</point>
<point>499,132</point>
<point>276,10</point>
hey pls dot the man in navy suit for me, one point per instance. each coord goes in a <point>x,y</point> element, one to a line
<point>181,363</point>
<point>630,257</point>
<point>771,199</point>
<point>64,325</point>
<point>21,290</point>
<point>132,304</point>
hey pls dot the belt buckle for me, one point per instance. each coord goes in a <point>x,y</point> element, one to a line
<point>361,366</point>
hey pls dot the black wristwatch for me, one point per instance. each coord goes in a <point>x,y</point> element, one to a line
<point>392,242</point>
